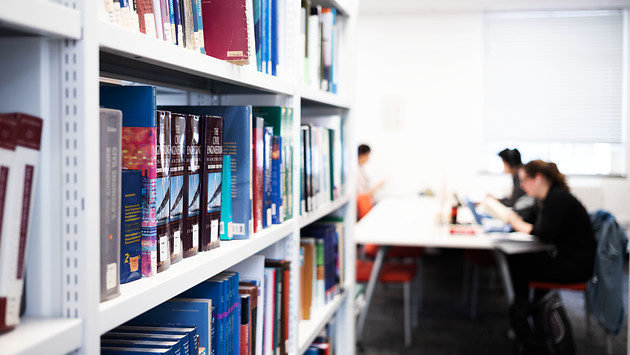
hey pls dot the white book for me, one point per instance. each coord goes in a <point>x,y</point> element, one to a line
<point>496,209</point>
<point>270,274</point>
<point>17,213</point>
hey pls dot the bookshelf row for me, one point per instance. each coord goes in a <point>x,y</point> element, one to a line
<point>64,314</point>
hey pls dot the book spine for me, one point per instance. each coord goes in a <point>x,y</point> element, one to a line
<point>179,29</point>
<point>192,193</point>
<point>199,38</point>
<point>188,24</point>
<point>227,229</point>
<point>166,21</point>
<point>146,17</point>
<point>177,184</point>
<point>110,170</point>
<point>267,187</point>
<point>172,23</point>
<point>212,182</point>
<point>162,193</point>
<point>276,180</point>
<point>131,225</point>
<point>257,181</point>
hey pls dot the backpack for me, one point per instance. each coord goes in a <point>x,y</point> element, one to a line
<point>542,327</point>
<point>553,327</point>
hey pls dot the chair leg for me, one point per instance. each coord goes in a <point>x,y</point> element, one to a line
<point>465,282</point>
<point>474,292</point>
<point>609,344</point>
<point>407,312</point>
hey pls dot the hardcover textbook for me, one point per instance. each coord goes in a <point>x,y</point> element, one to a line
<point>211,172</point>
<point>130,225</point>
<point>225,30</point>
<point>162,189</point>
<point>110,171</point>
<point>139,146</point>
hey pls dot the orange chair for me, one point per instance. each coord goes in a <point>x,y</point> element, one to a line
<point>364,205</point>
<point>401,273</point>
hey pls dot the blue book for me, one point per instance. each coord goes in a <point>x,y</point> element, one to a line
<point>234,310</point>
<point>215,290</point>
<point>237,143</point>
<point>139,145</point>
<point>171,11</point>
<point>266,36</point>
<point>156,344</point>
<point>133,351</point>
<point>184,335</point>
<point>276,180</point>
<point>227,232</point>
<point>179,27</point>
<point>185,312</point>
<point>181,339</point>
<point>257,4</point>
<point>130,225</point>
<point>197,17</point>
<point>267,139</point>
<point>273,55</point>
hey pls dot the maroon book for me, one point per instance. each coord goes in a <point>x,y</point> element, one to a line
<point>162,194</point>
<point>192,194</point>
<point>178,185</point>
<point>225,30</point>
<point>17,211</point>
<point>211,168</point>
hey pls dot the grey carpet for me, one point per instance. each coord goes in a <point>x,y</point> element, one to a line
<point>445,326</point>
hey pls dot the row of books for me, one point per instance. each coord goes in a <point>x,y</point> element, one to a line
<point>20,138</point>
<point>322,264</point>
<point>238,31</point>
<point>321,162</point>
<point>319,45</point>
<point>240,311</point>
<point>192,176</point>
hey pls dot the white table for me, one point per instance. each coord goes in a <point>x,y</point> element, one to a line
<point>414,222</point>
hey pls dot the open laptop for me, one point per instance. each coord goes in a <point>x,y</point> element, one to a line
<point>488,223</point>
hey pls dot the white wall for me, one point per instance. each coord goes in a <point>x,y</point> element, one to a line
<point>420,108</point>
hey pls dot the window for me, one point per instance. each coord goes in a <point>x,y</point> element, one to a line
<point>555,89</point>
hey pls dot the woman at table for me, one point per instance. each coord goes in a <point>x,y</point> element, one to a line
<point>562,222</point>
<point>524,205</point>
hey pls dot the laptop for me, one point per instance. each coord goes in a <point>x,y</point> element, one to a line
<point>488,224</point>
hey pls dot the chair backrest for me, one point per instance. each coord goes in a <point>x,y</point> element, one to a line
<point>364,205</point>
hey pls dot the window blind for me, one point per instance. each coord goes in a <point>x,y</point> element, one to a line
<point>554,76</point>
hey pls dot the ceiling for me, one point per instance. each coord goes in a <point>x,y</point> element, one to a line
<point>373,7</point>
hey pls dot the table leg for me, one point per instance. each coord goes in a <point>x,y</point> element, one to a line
<point>505,274</point>
<point>374,274</point>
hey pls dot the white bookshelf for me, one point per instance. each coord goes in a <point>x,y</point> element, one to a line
<point>308,329</point>
<point>40,335</point>
<point>70,47</point>
<point>43,18</point>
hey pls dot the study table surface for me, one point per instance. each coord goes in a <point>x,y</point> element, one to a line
<point>414,222</point>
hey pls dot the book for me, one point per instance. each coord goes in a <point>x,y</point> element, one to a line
<point>186,12</point>
<point>281,324</point>
<point>252,280</point>
<point>257,166</point>
<point>198,18</point>
<point>182,311</point>
<point>145,333</point>
<point>146,17</point>
<point>139,145</point>
<point>157,12</point>
<point>237,142</point>
<point>306,294</point>
<point>21,180</point>
<point>178,185</point>
<point>257,5</point>
<point>130,225</point>
<point>226,228</point>
<point>245,326</point>
<point>270,311</point>
<point>175,7</point>
<point>8,132</point>
<point>211,172</point>
<point>162,189</point>
<point>130,343</point>
<point>276,180</point>
<point>192,194</point>
<point>226,30</point>
<point>267,188</point>
<point>110,173</point>
<point>106,350</point>
<point>496,209</point>
<point>216,291</point>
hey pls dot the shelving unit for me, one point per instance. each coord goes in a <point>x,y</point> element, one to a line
<point>55,54</point>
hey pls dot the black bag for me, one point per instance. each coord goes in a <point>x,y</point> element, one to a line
<point>553,325</point>
<point>542,327</point>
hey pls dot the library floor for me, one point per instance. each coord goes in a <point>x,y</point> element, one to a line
<point>445,326</point>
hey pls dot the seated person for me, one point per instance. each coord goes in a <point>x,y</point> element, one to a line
<point>525,206</point>
<point>562,222</point>
<point>365,192</point>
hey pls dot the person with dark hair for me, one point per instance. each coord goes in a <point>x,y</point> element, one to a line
<point>511,163</point>
<point>522,204</point>
<point>564,224</point>
<point>365,192</point>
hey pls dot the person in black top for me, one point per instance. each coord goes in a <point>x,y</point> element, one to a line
<point>525,206</point>
<point>562,222</point>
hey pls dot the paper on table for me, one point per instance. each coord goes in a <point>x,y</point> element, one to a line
<point>513,236</point>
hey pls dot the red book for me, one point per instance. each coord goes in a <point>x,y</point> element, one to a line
<point>225,30</point>
<point>257,179</point>
<point>21,179</point>
<point>146,17</point>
